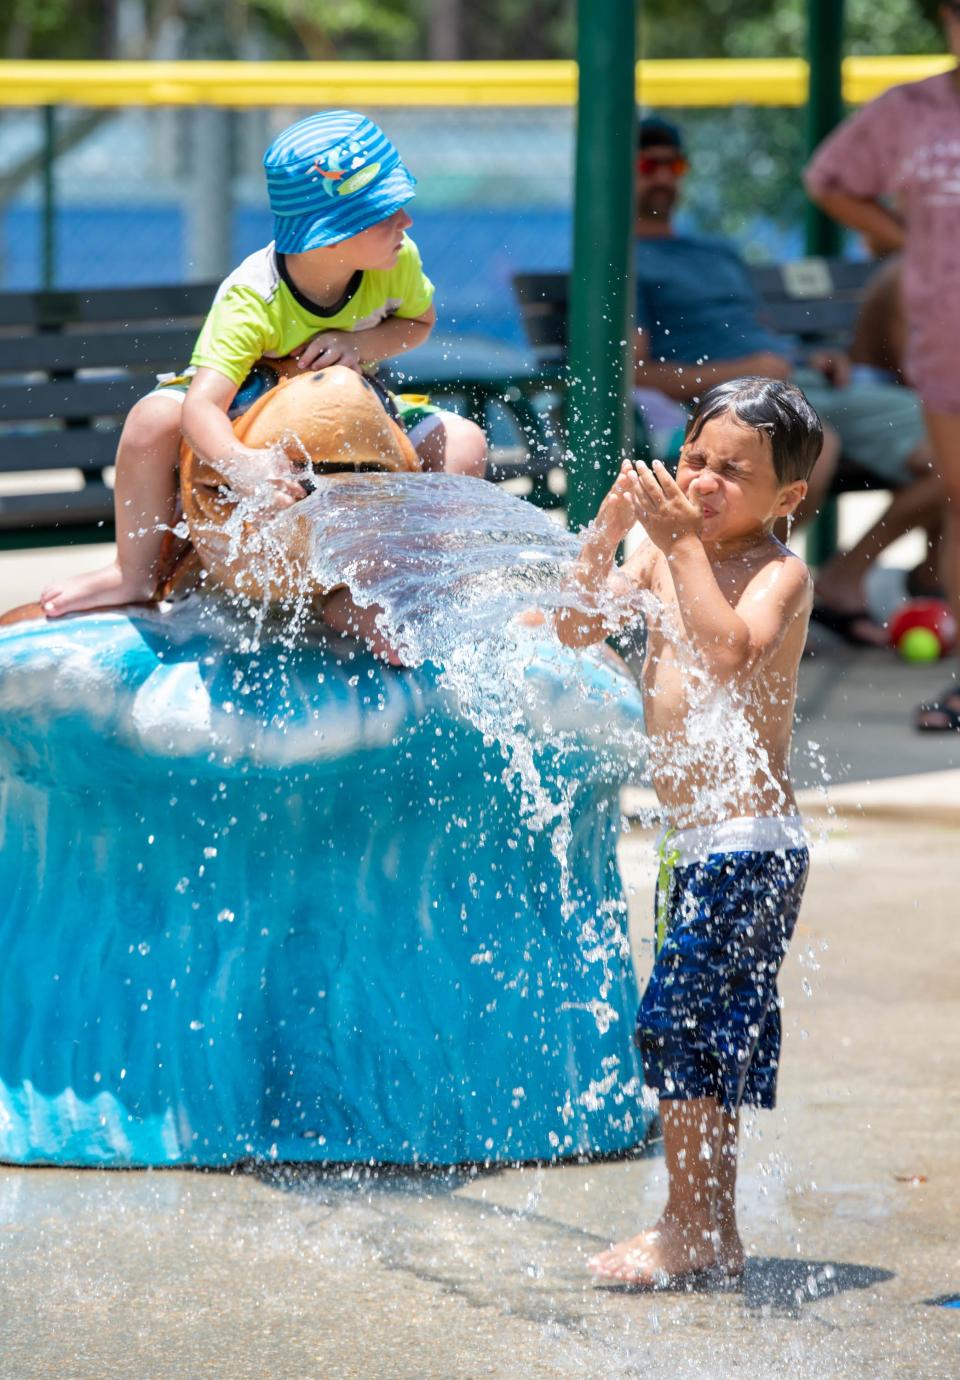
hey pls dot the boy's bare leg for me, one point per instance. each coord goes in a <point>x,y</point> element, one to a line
<point>729,1247</point>
<point>456,446</point>
<point>684,1240</point>
<point>343,616</point>
<point>144,503</point>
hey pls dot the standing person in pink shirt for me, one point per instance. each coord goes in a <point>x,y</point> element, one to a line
<point>892,171</point>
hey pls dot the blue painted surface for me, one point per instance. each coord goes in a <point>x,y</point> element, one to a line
<point>282,905</point>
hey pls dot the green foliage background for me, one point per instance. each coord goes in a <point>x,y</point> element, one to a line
<point>401,28</point>
<point>757,28</point>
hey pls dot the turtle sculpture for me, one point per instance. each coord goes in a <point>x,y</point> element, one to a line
<point>284,902</point>
<point>328,422</point>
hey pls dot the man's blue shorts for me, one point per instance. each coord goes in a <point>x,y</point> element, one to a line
<point>709,1020</point>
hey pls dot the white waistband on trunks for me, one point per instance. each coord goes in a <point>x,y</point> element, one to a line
<point>768,834</point>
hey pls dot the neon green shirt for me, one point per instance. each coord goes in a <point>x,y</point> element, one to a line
<point>258,311</point>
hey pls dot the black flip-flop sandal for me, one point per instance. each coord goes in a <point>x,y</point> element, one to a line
<point>951,716</point>
<point>843,623</point>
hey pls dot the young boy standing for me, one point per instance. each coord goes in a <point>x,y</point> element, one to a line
<point>719,685</point>
<point>340,284</point>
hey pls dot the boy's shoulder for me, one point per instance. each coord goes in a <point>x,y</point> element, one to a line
<point>775,573</point>
<point>259,273</point>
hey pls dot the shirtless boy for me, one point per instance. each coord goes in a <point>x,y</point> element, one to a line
<point>719,685</point>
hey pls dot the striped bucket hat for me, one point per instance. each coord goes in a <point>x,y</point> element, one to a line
<point>331,176</point>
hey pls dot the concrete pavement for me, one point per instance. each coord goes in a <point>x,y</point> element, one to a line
<point>850,1191</point>
<point>850,1200</point>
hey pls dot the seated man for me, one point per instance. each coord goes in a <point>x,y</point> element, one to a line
<point>698,325</point>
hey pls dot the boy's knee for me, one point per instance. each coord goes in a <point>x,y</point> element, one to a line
<point>153,422</point>
<point>456,445</point>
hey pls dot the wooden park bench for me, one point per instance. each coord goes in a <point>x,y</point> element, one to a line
<point>815,301</point>
<point>72,364</point>
<point>503,391</point>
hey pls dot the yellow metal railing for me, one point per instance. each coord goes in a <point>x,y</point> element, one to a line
<point>701,82</point>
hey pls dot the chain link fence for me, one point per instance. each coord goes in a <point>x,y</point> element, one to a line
<point>161,195</point>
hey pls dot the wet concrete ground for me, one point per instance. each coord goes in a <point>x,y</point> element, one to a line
<point>850,1206</point>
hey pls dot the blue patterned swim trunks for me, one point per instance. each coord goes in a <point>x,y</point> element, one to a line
<point>728,898</point>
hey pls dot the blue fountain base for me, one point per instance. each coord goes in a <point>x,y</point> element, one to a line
<point>266,904</point>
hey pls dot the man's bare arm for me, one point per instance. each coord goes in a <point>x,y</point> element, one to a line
<point>866,215</point>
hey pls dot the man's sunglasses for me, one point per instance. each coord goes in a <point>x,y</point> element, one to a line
<point>646,165</point>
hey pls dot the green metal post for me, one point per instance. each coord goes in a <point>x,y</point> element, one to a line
<point>48,247</point>
<point>598,425</point>
<point>823,234</point>
<point>824,106</point>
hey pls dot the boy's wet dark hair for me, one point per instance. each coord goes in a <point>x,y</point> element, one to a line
<point>769,405</point>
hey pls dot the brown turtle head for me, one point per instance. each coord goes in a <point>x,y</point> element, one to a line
<point>334,420</point>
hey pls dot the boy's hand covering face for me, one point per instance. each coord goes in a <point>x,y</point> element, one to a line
<point>663,509</point>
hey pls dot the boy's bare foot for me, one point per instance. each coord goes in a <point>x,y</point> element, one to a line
<point>730,1258</point>
<point>103,588</point>
<point>665,1256</point>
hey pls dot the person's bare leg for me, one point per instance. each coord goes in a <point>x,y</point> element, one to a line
<point>683,1242</point>
<point>343,616</point>
<point>944,432</point>
<point>729,1247</point>
<point>925,581</point>
<point>839,582</point>
<point>144,503</point>
<point>456,446</point>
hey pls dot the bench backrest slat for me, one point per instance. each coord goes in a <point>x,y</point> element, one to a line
<point>812,279</point>
<point>59,448</point>
<point>138,346</point>
<point>547,288</point>
<point>71,399</point>
<point>156,305</point>
<point>811,321</point>
<point>73,508</point>
<point>815,299</point>
<point>72,364</point>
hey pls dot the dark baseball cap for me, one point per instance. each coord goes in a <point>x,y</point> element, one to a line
<point>653,132</point>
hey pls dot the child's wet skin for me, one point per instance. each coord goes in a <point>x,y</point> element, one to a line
<point>719,684</point>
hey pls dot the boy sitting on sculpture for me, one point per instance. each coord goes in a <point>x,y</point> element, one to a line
<point>340,285</point>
